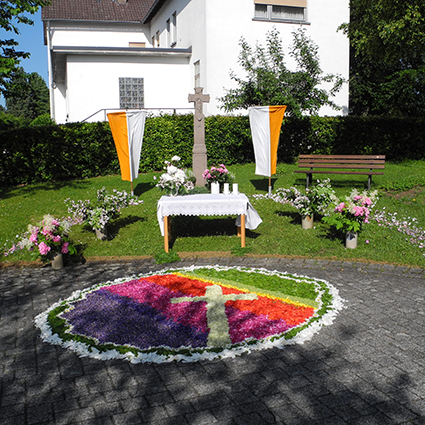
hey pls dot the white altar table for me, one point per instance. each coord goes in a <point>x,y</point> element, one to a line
<point>207,204</point>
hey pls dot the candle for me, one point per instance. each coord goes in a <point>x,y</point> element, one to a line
<point>235,189</point>
<point>215,188</point>
<point>226,188</point>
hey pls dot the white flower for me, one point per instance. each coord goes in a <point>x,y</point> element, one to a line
<point>166,177</point>
<point>171,169</point>
<point>175,158</point>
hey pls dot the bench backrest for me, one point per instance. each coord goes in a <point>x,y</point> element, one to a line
<point>342,161</point>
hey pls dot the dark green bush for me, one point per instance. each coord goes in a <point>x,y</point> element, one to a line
<point>79,150</point>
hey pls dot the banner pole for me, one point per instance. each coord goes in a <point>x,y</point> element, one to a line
<point>132,193</point>
<point>270,187</point>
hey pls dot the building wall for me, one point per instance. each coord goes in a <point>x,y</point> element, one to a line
<point>212,28</point>
<point>88,83</point>
<point>96,34</point>
<point>90,88</point>
<point>223,46</point>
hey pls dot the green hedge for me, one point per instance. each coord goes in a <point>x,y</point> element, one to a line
<point>79,150</point>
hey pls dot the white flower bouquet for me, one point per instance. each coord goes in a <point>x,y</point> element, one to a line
<point>175,181</point>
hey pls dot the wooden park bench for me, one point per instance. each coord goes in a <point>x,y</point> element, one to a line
<point>341,164</point>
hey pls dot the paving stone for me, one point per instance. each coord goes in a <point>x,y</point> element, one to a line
<point>367,368</point>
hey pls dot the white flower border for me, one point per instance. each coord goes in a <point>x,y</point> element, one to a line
<point>83,350</point>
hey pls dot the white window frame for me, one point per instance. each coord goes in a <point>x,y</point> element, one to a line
<point>269,4</point>
<point>197,73</point>
<point>173,29</point>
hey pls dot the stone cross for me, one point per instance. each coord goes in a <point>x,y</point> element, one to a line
<point>199,149</point>
<point>216,313</point>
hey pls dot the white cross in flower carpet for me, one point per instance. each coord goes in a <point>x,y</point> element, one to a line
<point>216,314</point>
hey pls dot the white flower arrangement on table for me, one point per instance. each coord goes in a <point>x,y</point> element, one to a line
<point>175,181</point>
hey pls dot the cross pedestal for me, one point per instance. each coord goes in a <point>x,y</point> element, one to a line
<point>199,161</point>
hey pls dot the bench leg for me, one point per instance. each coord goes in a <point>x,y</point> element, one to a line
<point>309,180</point>
<point>369,181</point>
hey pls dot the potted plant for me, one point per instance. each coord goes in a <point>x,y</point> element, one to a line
<point>315,200</point>
<point>48,240</point>
<point>349,215</point>
<point>218,175</point>
<point>175,181</point>
<point>98,214</point>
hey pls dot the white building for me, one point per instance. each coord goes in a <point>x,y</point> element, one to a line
<point>111,54</point>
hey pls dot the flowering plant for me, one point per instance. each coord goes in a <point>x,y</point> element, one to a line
<point>315,200</point>
<point>47,238</point>
<point>98,214</point>
<point>350,214</point>
<point>218,174</point>
<point>175,181</point>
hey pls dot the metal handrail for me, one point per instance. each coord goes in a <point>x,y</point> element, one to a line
<point>136,109</point>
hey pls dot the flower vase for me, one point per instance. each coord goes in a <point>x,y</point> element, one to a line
<point>307,221</point>
<point>102,234</point>
<point>351,240</point>
<point>57,261</point>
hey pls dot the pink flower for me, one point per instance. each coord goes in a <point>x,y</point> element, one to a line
<point>358,211</point>
<point>357,198</point>
<point>43,248</point>
<point>340,207</point>
<point>64,249</point>
<point>56,238</point>
<point>33,237</point>
<point>367,202</point>
<point>367,241</point>
<point>55,222</point>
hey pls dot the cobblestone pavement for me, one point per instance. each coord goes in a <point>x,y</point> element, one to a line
<point>367,368</point>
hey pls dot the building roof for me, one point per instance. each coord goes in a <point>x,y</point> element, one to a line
<point>98,10</point>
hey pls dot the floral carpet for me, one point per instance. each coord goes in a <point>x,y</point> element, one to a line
<point>190,314</point>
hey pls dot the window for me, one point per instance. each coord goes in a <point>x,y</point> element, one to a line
<point>171,30</point>
<point>131,93</point>
<point>174,29</point>
<point>155,40</point>
<point>136,44</point>
<point>280,10</point>
<point>197,72</point>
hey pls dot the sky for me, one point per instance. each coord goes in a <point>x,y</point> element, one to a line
<point>30,40</point>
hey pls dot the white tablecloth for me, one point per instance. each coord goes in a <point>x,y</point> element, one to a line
<point>208,204</point>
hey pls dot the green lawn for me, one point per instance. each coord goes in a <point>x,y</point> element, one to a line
<point>136,232</point>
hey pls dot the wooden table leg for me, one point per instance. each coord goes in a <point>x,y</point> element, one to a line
<point>242,230</point>
<point>166,233</point>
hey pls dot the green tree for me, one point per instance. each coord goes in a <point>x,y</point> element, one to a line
<point>13,13</point>
<point>387,39</point>
<point>28,95</point>
<point>270,82</point>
